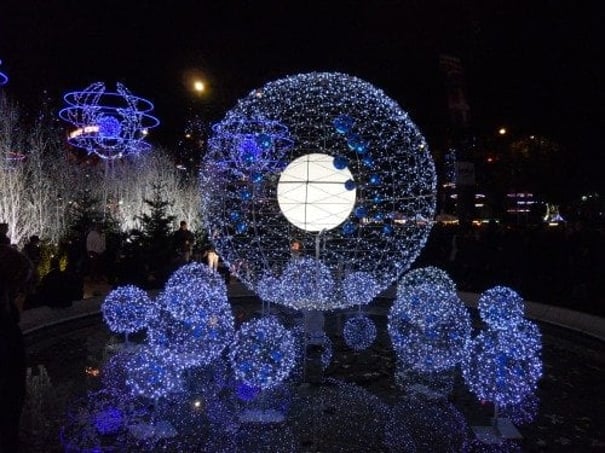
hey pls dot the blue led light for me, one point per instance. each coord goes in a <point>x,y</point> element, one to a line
<point>126,309</point>
<point>344,117</point>
<point>109,124</point>
<point>262,354</point>
<point>3,77</point>
<point>359,332</point>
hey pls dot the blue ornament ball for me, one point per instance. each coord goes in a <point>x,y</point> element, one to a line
<point>350,184</point>
<point>501,307</point>
<point>263,353</point>
<point>340,162</point>
<point>343,124</point>
<point>126,309</point>
<point>359,332</point>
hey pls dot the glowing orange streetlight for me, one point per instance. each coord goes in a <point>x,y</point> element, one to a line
<point>199,86</point>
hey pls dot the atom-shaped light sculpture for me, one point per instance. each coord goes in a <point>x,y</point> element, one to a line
<point>109,124</point>
<point>353,182</point>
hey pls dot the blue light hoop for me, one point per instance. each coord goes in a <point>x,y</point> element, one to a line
<point>3,77</point>
<point>357,125</point>
<point>109,124</point>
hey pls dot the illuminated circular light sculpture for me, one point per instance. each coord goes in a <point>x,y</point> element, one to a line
<point>151,376</point>
<point>269,288</point>
<point>501,366</point>
<point>430,274</point>
<point>311,193</point>
<point>109,124</point>
<point>501,307</point>
<point>359,332</point>
<point>126,308</point>
<point>346,133</point>
<point>262,354</point>
<point>425,305</point>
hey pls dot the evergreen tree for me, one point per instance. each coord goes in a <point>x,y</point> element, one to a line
<point>156,236</point>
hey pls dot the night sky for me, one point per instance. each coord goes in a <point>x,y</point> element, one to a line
<point>534,67</point>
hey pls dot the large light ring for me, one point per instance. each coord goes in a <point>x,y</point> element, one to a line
<point>362,130</point>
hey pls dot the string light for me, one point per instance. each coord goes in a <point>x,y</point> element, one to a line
<point>125,309</point>
<point>109,124</point>
<point>360,288</point>
<point>503,365</point>
<point>429,327</point>
<point>431,275</point>
<point>151,376</point>
<point>194,270</point>
<point>262,354</point>
<point>359,332</point>
<point>357,125</point>
<point>307,283</point>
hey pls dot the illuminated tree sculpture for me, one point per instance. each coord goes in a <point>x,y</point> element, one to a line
<point>109,124</point>
<point>329,160</point>
<point>126,309</point>
<point>263,353</point>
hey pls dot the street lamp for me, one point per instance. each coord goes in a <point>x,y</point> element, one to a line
<point>199,86</point>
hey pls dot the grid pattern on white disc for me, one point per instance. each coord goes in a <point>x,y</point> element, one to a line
<point>312,195</point>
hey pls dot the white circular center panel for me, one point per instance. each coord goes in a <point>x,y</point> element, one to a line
<point>311,193</point>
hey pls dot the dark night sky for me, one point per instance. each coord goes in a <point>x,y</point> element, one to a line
<point>535,67</point>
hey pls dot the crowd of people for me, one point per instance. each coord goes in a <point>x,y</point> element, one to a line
<point>558,265</point>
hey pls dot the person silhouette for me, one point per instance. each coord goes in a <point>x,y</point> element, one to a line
<point>15,272</point>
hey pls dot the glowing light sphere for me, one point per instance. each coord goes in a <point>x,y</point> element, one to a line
<point>312,195</point>
<point>151,376</point>
<point>192,341</point>
<point>307,283</point>
<point>262,354</point>
<point>359,332</point>
<point>392,182</point>
<point>500,368</point>
<point>269,288</point>
<point>196,299</point>
<point>195,271</point>
<point>126,308</point>
<point>360,288</point>
<point>429,327</point>
<point>500,307</point>
<point>109,124</point>
<point>426,305</point>
<point>431,275</point>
